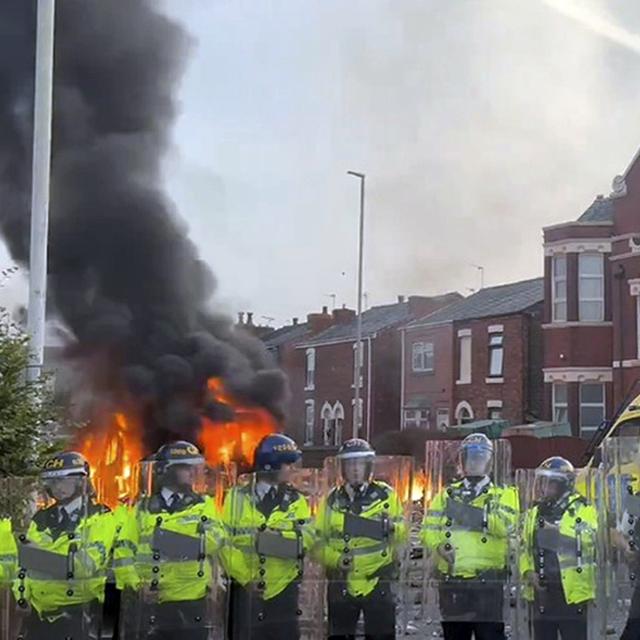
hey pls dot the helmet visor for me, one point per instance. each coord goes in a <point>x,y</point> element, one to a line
<point>551,485</point>
<point>357,471</point>
<point>476,460</point>
<point>63,488</point>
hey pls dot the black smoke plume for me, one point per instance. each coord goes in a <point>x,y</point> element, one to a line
<point>123,275</point>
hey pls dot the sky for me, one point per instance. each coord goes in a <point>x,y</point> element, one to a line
<point>477,122</point>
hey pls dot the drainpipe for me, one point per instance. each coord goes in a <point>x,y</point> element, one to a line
<point>368,389</point>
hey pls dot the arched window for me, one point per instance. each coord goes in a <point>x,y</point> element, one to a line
<point>338,415</point>
<point>328,424</point>
<point>464,413</point>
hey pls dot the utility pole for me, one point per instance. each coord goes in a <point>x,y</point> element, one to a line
<point>42,120</point>
<point>358,365</point>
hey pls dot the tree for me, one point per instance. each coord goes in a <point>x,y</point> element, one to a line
<point>27,411</point>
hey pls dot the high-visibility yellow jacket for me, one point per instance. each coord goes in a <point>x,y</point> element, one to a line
<point>8,553</point>
<point>86,547</point>
<point>244,522</point>
<point>576,549</point>
<point>360,560</point>
<point>477,530</point>
<point>136,562</point>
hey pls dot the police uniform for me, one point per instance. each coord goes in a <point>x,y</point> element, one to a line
<point>467,528</point>
<point>558,548</point>
<point>171,585</point>
<point>76,535</point>
<point>269,533</point>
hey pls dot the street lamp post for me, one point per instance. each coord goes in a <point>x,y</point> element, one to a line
<point>41,166</point>
<point>358,366</point>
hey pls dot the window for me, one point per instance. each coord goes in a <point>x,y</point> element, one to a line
<point>357,369</point>
<point>416,418</point>
<point>464,365</point>
<point>310,419</point>
<point>591,287</point>
<point>326,415</point>
<point>559,289</point>
<point>442,419</point>
<point>311,369</point>
<point>591,406</point>
<point>560,403</point>
<point>357,414</point>
<point>422,356</point>
<point>495,414</point>
<point>496,355</point>
<point>464,413</point>
<point>338,416</point>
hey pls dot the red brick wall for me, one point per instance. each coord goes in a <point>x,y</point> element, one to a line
<point>435,388</point>
<point>578,346</point>
<point>514,390</point>
<point>385,383</point>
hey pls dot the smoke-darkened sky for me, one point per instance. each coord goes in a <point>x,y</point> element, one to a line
<point>476,121</point>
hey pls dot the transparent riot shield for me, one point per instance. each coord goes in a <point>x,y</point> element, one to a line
<point>364,537</point>
<point>470,517</point>
<point>166,556</point>
<point>620,506</point>
<point>276,585</point>
<point>54,542</point>
<point>561,563</point>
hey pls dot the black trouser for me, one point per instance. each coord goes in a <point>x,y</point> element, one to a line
<point>175,621</point>
<point>78,622</point>
<point>253,618</point>
<point>473,607</point>
<point>553,617</point>
<point>632,628</point>
<point>378,609</point>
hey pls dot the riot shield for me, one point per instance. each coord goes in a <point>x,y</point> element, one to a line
<point>276,585</point>
<point>54,543</point>
<point>621,514</point>
<point>470,517</point>
<point>166,557</point>
<point>561,562</point>
<point>363,541</point>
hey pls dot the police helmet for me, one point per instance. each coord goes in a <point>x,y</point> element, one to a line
<point>555,473</point>
<point>356,449</point>
<point>63,465</point>
<point>275,450</point>
<point>177,453</point>
<point>476,455</point>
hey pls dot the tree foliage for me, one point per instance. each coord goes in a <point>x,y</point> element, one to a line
<point>28,415</point>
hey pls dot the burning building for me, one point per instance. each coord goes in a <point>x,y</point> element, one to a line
<point>152,360</point>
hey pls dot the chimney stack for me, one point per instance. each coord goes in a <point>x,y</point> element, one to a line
<point>344,315</point>
<point>295,322</point>
<point>319,321</point>
<point>241,317</point>
<point>400,299</point>
<point>250,317</point>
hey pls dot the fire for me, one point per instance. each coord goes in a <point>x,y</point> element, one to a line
<point>113,448</point>
<point>235,441</point>
<point>420,489</point>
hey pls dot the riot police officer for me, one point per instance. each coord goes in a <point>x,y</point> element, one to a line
<point>63,556</point>
<point>267,521</point>
<point>558,553</point>
<point>360,528</point>
<point>166,546</point>
<point>466,528</point>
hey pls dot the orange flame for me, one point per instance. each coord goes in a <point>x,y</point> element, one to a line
<point>235,441</point>
<point>112,450</point>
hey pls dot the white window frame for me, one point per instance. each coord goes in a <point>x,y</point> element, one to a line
<point>464,406</point>
<point>555,405</point>
<point>492,410</point>
<point>589,430</point>
<point>422,357</point>
<point>443,417</point>
<point>493,348</point>
<point>419,418</point>
<point>464,338</point>
<point>555,280</point>
<point>310,370</point>
<point>338,422</point>
<point>327,419</point>
<point>590,277</point>
<point>309,424</point>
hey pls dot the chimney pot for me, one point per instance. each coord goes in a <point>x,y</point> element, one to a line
<point>249,317</point>
<point>295,321</point>
<point>400,299</point>
<point>241,317</point>
<point>325,310</point>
